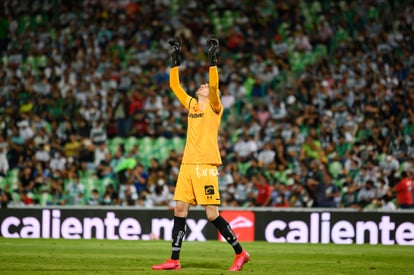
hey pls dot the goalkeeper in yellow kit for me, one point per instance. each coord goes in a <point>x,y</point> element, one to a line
<point>197,182</point>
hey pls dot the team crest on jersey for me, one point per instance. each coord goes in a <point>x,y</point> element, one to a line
<point>195,111</point>
<point>196,108</point>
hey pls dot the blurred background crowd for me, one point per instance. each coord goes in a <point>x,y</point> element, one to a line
<point>318,99</point>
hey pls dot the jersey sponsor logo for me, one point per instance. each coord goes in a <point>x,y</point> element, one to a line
<point>242,223</point>
<point>191,115</point>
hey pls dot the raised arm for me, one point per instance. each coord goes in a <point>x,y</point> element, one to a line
<point>214,91</point>
<point>176,58</point>
<point>176,86</point>
<point>214,96</point>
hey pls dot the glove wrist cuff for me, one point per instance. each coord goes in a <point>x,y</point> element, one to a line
<point>212,60</point>
<point>176,59</point>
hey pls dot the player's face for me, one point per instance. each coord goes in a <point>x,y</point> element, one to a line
<point>204,90</point>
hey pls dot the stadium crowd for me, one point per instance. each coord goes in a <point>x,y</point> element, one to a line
<point>318,99</point>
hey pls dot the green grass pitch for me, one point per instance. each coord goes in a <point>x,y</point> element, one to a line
<point>51,256</point>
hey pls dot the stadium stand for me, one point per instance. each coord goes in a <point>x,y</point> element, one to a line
<point>84,91</point>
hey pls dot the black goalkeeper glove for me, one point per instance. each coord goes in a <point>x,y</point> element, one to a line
<point>176,54</point>
<point>212,50</point>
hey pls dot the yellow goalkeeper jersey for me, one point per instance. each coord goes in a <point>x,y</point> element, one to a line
<point>203,125</point>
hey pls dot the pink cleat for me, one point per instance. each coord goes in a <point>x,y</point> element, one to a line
<point>240,260</point>
<point>169,264</point>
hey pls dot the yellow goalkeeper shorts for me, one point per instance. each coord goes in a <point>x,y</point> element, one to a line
<point>197,184</point>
